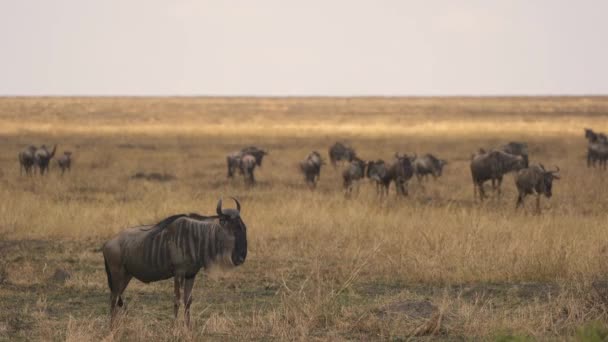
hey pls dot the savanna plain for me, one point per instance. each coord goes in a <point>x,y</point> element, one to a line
<point>434,265</point>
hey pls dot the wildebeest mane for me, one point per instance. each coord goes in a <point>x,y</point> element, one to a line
<point>167,221</point>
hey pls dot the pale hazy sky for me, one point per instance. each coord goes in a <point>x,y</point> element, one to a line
<point>283,47</point>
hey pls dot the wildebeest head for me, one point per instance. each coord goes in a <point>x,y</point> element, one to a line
<point>236,229</point>
<point>546,185</point>
<point>590,135</point>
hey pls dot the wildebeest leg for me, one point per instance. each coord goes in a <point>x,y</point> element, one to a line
<point>538,203</point>
<point>520,200</point>
<point>189,283</point>
<point>119,279</point>
<point>178,281</point>
<point>482,192</point>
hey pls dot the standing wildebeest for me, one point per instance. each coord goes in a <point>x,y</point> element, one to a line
<point>247,166</point>
<point>27,159</point>
<point>428,164</point>
<point>311,168</point>
<point>178,247</point>
<point>65,162</point>
<point>258,153</point>
<point>492,166</point>
<point>399,172</point>
<point>233,160</point>
<point>597,149</point>
<point>534,179</point>
<point>376,171</point>
<point>339,151</point>
<point>353,173</point>
<point>42,156</point>
<point>517,149</point>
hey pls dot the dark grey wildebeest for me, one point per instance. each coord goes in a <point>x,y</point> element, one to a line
<point>354,172</point>
<point>42,157</point>
<point>178,246</point>
<point>311,168</point>
<point>376,172</point>
<point>492,166</point>
<point>340,151</point>
<point>517,149</point>
<point>399,173</point>
<point>597,148</point>
<point>256,152</point>
<point>233,160</point>
<point>65,162</point>
<point>534,179</point>
<point>426,165</point>
<point>27,159</point>
<point>247,167</point>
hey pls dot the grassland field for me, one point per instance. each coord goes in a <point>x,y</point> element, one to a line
<point>435,265</point>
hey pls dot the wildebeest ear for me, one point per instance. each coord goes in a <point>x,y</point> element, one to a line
<point>542,167</point>
<point>555,176</point>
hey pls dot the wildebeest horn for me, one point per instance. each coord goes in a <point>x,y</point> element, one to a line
<point>556,169</point>
<point>542,166</point>
<point>238,205</point>
<point>219,207</point>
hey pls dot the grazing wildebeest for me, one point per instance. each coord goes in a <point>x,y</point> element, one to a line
<point>27,159</point>
<point>247,166</point>
<point>426,165</point>
<point>42,156</point>
<point>178,246</point>
<point>534,179</point>
<point>492,166</point>
<point>517,149</point>
<point>311,168</point>
<point>339,151</point>
<point>353,173</point>
<point>65,162</point>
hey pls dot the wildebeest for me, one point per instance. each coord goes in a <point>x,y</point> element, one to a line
<point>597,148</point>
<point>426,165</point>
<point>354,172</point>
<point>247,166</point>
<point>399,172</point>
<point>311,168</point>
<point>178,246</point>
<point>340,151</point>
<point>376,171</point>
<point>233,160</point>
<point>534,179</point>
<point>492,166</point>
<point>42,157</point>
<point>256,152</point>
<point>65,162</point>
<point>517,149</point>
<point>27,159</point>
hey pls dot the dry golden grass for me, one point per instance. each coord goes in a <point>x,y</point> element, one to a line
<point>320,267</point>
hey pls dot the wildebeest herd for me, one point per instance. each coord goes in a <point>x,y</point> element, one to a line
<point>180,245</point>
<point>33,157</point>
